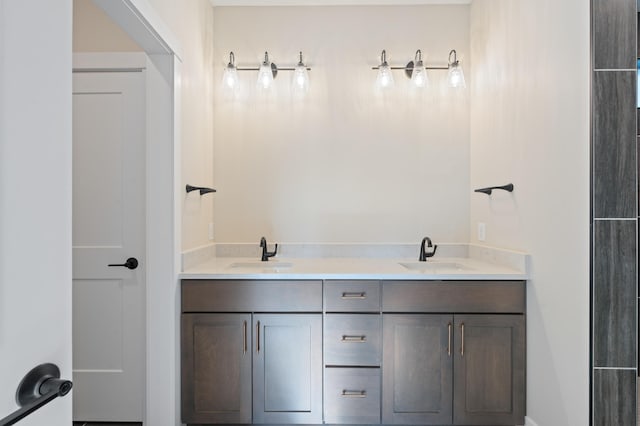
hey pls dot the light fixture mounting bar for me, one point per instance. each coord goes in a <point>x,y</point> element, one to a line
<point>404,68</point>
<point>258,69</point>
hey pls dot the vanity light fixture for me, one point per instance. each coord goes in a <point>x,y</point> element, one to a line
<point>417,71</point>
<point>267,72</point>
<point>230,77</point>
<point>385,78</point>
<point>456,76</point>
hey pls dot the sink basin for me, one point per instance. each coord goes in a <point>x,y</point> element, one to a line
<point>433,266</point>
<point>257,264</point>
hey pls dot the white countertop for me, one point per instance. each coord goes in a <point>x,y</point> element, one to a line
<point>436,268</point>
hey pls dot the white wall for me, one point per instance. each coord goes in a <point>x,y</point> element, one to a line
<point>346,164</point>
<point>35,198</point>
<point>530,126</point>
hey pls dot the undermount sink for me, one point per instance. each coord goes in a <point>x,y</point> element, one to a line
<point>257,264</point>
<point>433,266</point>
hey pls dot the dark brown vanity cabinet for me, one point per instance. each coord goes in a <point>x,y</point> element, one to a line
<point>381,352</point>
<point>453,368</point>
<point>251,366</point>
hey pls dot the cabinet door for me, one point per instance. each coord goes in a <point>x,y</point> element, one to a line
<point>216,368</point>
<point>287,368</point>
<point>489,371</point>
<point>417,369</point>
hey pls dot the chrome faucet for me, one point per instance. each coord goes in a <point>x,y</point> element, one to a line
<point>423,253</point>
<point>267,254</point>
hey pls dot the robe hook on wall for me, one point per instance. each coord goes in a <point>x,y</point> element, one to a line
<point>203,190</point>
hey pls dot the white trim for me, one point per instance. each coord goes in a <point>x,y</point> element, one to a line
<point>141,22</point>
<point>529,422</point>
<point>215,3</point>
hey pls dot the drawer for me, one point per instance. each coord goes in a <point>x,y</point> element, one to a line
<point>352,395</point>
<point>352,339</point>
<point>251,296</point>
<point>506,297</point>
<point>352,296</point>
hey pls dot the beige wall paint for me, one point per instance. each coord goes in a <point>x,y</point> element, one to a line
<point>192,24</point>
<point>94,31</point>
<point>346,164</point>
<point>530,126</point>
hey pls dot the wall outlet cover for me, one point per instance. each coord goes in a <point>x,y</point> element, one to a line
<point>482,231</point>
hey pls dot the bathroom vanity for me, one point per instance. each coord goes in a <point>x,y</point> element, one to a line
<point>294,346</point>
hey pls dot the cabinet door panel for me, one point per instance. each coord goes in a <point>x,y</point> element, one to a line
<point>489,372</point>
<point>216,368</point>
<point>417,369</point>
<point>287,375</point>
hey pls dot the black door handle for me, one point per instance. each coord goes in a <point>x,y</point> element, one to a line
<point>131,263</point>
<point>39,387</point>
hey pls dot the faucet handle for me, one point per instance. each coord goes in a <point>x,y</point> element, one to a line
<point>430,254</point>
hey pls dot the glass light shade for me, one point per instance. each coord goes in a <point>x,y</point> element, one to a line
<point>456,77</point>
<point>300,80</point>
<point>265,76</point>
<point>230,78</point>
<point>385,78</point>
<point>419,76</point>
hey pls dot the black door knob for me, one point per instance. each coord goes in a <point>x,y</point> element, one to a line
<point>131,263</point>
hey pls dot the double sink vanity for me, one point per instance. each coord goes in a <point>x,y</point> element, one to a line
<point>354,340</point>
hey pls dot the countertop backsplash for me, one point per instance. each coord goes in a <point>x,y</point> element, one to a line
<point>498,256</point>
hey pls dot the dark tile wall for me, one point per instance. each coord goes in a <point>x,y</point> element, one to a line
<point>614,212</point>
<point>614,144</point>
<point>614,34</point>
<point>612,404</point>
<point>614,293</point>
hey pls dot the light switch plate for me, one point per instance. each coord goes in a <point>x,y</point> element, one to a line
<point>210,230</point>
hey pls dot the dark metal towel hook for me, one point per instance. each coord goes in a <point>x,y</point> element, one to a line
<point>508,187</point>
<point>203,190</point>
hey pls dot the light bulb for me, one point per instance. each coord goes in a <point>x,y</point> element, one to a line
<point>385,78</point>
<point>456,76</point>
<point>230,82</point>
<point>300,78</point>
<point>265,74</point>
<point>230,77</point>
<point>419,75</point>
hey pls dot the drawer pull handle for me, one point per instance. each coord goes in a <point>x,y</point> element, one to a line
<point>354,393</point>
<point>449,341</point>
<point>354,339</point>
<point>354,295</point>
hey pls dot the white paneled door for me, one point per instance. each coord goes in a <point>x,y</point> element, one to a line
<point>108,229</point>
